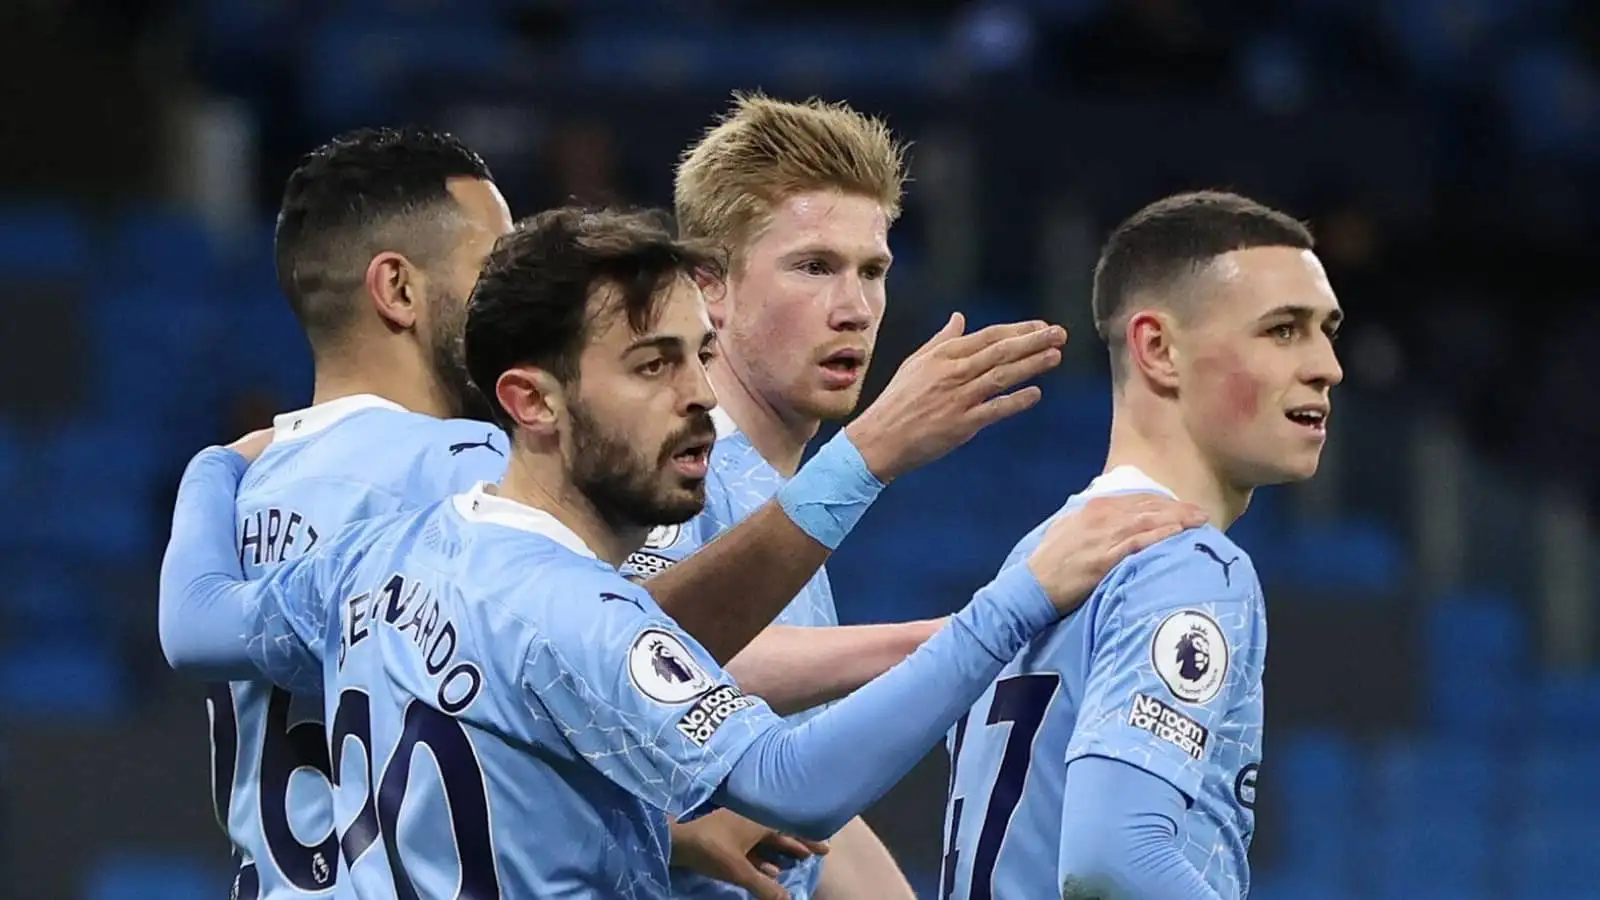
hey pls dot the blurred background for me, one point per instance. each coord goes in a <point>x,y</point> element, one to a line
<point>1433,710</point>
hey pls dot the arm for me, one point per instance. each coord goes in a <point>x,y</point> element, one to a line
<point>812,778</point>
<point>795,668</point>
<point>715,595</point>
<point>202,633</point>
<point>860,868</point>
<point>215,625</point>
<point>1119,835</point>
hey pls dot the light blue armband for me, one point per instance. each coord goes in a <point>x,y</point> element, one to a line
<point>831,493</point>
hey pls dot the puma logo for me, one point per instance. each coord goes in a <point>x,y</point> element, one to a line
<point>1225,564</point>
<point>486,443</point>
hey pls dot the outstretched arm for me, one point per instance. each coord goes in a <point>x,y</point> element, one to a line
<point>813,778</point>
<point>203,632</point>
<point>795,668</point>
<point>728,591</point>
<point>944,393</point>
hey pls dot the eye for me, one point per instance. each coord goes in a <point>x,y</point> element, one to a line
<point>875,272</point>
<point>1332,331</point>
<point>707,355</point>
<point>815,267</point>
<point>1284,332</point>
<point>652,368</point>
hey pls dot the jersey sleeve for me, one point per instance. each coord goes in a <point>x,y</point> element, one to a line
<point>1161,663</point>
<point>637,697</point>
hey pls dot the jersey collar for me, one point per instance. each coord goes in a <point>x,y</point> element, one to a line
<point>305,422</point>
<point>481,505</point>
<point>726,426</point>
<point>1123,480</point>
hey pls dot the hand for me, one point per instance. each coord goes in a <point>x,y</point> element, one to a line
<point>731,848</point>
<point>251,445</point>
<point>951,388</point>
<point>1080,547</point>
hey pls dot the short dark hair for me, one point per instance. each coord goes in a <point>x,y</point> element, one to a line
<point>1176,237</point>
<point>531,305</point>
<point>339,207</point>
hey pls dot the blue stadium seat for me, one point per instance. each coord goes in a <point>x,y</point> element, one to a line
<point>1348,557</point>
<point>1556,777</point>
<point>49,601</point>
<point>153,876</point>
<point>1569,704</point>
<point>61,680</point>
<point>1475,657</point>
<point>1430,856</point>
<point>1289,885</point>
<point>1553,856</point>
<point>1318,779</point>
<point>1419,778</point>
<point>42,242</point>
<point>166,249</point>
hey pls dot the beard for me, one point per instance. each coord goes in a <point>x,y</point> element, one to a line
<point>625,487</point>
<point>449,352</point>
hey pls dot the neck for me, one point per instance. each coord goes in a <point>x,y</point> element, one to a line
<point>538,482</point>
<point>393,377</point>
<point>1150,439</point>
<point>781,440</point>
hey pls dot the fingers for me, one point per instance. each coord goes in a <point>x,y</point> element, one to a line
<point>798,848</point>
<point>1141,539</point>
<point>1004,407</point>
<point>951,330</point>
<point>760,881</point>
<point>1011,374</point>
<point>969,344</point>
<point>1012,349</point>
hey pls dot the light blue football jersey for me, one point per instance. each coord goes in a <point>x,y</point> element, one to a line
<point>1161,669</point>
<point>327,466</point>
<point>739,483</point>
<point>510,716</point>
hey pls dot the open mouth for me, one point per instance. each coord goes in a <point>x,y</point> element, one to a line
<point>845,364</point>
<point>1312,417</point>
<point>693,459</point>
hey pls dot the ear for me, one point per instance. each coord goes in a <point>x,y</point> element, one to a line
<point>715,289</point>
<point>533,398</point>
<point>396,288</point>
<point>1152,350</point>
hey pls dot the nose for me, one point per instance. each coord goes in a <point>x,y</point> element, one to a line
<point>852,307</point>
<point>697,394</point>
<point>1323,369</point>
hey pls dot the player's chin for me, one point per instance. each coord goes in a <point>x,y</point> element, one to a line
<point>831,405</point>
<point>681,502</point>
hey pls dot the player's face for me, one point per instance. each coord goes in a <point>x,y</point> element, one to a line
<point>1258,365</point>
<point>487,218</point>
<point>800,313</point>
<point>641,429</point>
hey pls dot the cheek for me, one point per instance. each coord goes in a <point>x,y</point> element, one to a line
<point>1235,393</point>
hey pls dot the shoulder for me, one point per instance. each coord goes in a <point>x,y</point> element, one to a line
<point>545,584</point>
<point>1191,600</point>
<point>451,455</point>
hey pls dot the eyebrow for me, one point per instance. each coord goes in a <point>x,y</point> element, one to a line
<point>883,258</point>
<point>1302,313</point>
<point>665,343</point>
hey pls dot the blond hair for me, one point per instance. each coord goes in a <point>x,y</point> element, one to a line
<point>763,151</point>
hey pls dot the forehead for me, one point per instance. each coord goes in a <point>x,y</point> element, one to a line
<point>847,223</point>
<point>1253,282</point>
<point>679,314</point>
